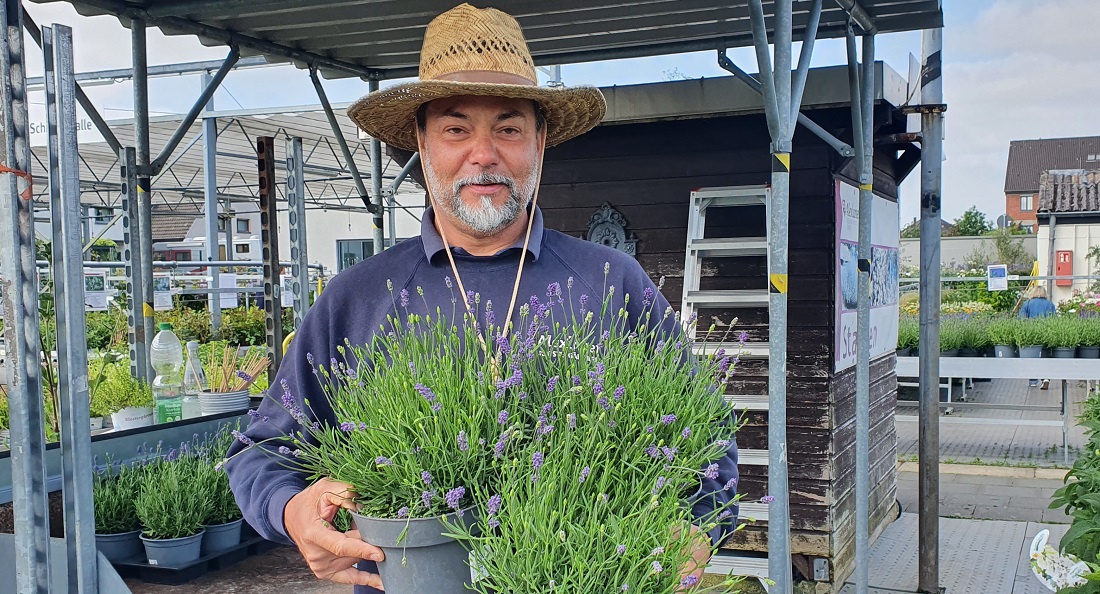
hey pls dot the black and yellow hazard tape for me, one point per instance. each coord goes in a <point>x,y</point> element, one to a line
<point>864,265</point>
<point>781,162</point>
<point>777,283</point>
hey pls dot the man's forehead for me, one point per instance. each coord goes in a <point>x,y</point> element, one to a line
<point>473,103</point>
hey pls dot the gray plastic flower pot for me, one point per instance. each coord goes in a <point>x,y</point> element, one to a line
<point>968,352</point>
<point>1065,352</point>
<point>1002,351</point>
<point>419,558</point>
<point>1088,352</point>
<point>950,353</point>
<point>220,537</point>
<point>173,552</point>
<point>1031,352</point>
<point>120,547</point>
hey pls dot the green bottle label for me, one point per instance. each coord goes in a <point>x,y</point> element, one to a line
<point>169,410</point>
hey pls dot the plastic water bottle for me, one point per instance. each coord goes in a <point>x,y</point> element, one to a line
<point>166,357</point>
<point>194,382</point>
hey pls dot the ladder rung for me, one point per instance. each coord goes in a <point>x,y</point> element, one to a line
<point>757,298</point>
<point>729,247</point>
<point>727,562</point>
<point>749,350</point>
<point>733,196</point>
<point>749,457</point>
<point>748,402</point>
<point>755,510</point>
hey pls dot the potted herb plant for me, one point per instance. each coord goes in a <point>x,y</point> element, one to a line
<point>1002,333</point>
<point>908,335</point>
<point>1062,335</point>
<point>971,336</point>
<point>1029,338</point>
<point>951,336</point>
<point>1090,337</point>
<point>117,527</point>
<point>172,507</point>
<point>127,399</point>
<point>223,520</point>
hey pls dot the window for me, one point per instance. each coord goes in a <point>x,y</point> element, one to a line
<point>242,226</point>
<point>352,251</point>
<point>241,248</point>
<point>181,256</point>
<point>1026,203</point>
<point>103,215</point>
<point>1093,158</point>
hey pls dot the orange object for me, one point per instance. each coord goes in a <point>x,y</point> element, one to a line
<point>1063,266</point>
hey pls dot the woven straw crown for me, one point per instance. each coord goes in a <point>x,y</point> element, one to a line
<point>472,51</point>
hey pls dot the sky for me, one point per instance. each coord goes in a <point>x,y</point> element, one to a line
<point>1013,70</point>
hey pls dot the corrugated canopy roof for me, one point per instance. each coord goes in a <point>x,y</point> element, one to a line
<point>1028,159</point>
<point>382,38</point>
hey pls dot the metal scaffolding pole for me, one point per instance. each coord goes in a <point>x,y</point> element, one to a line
<point>210,195</point>
<point>143,197</point>
<point>269,238</point>
<point>20,306</point>
<point>861,86</point>
<point>779,108</point>
<point>296,217</point>
<point>133,259</point>
<point>932,109</point>
<point>391,190</point>
<point>376,185</point>
<point>68,290</point>
<point>338,133</point>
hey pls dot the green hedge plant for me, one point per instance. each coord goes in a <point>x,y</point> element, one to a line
<point>1061,332</point>
<point>1030,332</point>
<point>1002,331</point>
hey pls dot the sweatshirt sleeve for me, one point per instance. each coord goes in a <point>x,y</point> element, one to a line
<point>259,476</point>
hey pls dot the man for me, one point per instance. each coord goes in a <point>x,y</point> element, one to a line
<point>481,124</point>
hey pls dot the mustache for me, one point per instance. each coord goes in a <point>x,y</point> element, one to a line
<point>485,179</point>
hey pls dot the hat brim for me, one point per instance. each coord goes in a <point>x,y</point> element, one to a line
<point>389,114</point>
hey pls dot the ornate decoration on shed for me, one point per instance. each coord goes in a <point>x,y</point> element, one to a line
<point>608,227</point>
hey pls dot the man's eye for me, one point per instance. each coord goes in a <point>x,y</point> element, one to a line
<point>510,131</point>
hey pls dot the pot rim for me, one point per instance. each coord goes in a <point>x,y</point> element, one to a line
<point>147,539</point>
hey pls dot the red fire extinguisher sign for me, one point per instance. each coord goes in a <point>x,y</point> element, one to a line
<point>1063,266</point>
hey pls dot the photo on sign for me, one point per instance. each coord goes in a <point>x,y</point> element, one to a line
<point>884,276</point>
<point>95,282</point>
<point>162,283</point>
<point>849,274</point>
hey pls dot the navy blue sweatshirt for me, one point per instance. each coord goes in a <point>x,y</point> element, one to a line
<point>357,302</point>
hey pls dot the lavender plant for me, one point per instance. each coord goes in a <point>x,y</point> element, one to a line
<point>114,489</point>
<point>171,503</point>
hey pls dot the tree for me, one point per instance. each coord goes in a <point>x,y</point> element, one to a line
<point>973,222</point>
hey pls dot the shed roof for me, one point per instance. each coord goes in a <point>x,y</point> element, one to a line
<point>1070,190</point>
<point>382,38</point>
<point>1028,159</point>
<point>173,226</point>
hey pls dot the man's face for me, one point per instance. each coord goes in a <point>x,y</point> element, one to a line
<point>480,156</point>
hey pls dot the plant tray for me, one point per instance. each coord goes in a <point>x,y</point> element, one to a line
<point>174,576</point>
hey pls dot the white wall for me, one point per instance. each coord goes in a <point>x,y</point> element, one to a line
<point>1069,236</point>
<point>954,251</point>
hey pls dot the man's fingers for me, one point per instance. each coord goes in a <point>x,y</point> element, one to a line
<point>342,545</point>
<point>357,577</point>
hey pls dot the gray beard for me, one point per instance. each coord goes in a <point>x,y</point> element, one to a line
<point>486,218</point>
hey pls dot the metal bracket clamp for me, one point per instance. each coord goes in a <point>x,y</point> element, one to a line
<point>926,108</point>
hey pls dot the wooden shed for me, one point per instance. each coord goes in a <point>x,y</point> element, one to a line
<point>659,143</point>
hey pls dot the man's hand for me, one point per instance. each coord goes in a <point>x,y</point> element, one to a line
<point>698,543</point>
<point>331,555</point>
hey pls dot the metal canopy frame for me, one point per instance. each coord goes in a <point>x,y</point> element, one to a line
<point>381,39</point>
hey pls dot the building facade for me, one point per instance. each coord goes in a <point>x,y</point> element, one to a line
<point>1028,159</point>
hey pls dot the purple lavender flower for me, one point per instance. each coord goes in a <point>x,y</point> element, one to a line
<point>426,496</point>
<point>244,376</point>
<point>547,408</point>
<point>403,512</point>
<point>463,445</point>
<point>572,420</point>
<point>647,296</point>
<point>658,551</point>
<point>584,474</point>
<point>602,401</point>
<point>284,450</point>
<point>621,549</point>
<point>383,461</point>
<point>412,368</point>
<point>670,453</point>
<point>347,426</point>
<point>584,301</point>
<point>743,337</point>
<point>649,428</point>
<point>241,437</point>
<point>309,359</point>
<point>659,485</point>
<point>498,448</point>
<point>730,485</point>
<point>725,514</point>
<point>652,452</point>
<point>576,380</point>
<point>426,477</point>
<point>494,523</point>
<point>689,581</point>
<point>542,427</point>
<point>173,455</point>
<point>404,297</point>
<point>619,393</point>
<point>454,497</point>
<point>502,418</point>
<point>494,505</point>
<point>711,472</point>
<point>553,383</point>
<point>553,290</point>
<point>722,443</point>
<point>255,414</point>
<point>657,567</point>
<point>436,407</point>
<point>767,499</point>
<point>426,392</point>
<point>536,461</point>
<point>668,419</point>
<point>686,433</point>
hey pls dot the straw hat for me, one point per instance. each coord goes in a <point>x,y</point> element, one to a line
<point>475,51</point>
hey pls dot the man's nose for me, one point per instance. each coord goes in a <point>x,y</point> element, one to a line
<point>484,152</point>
